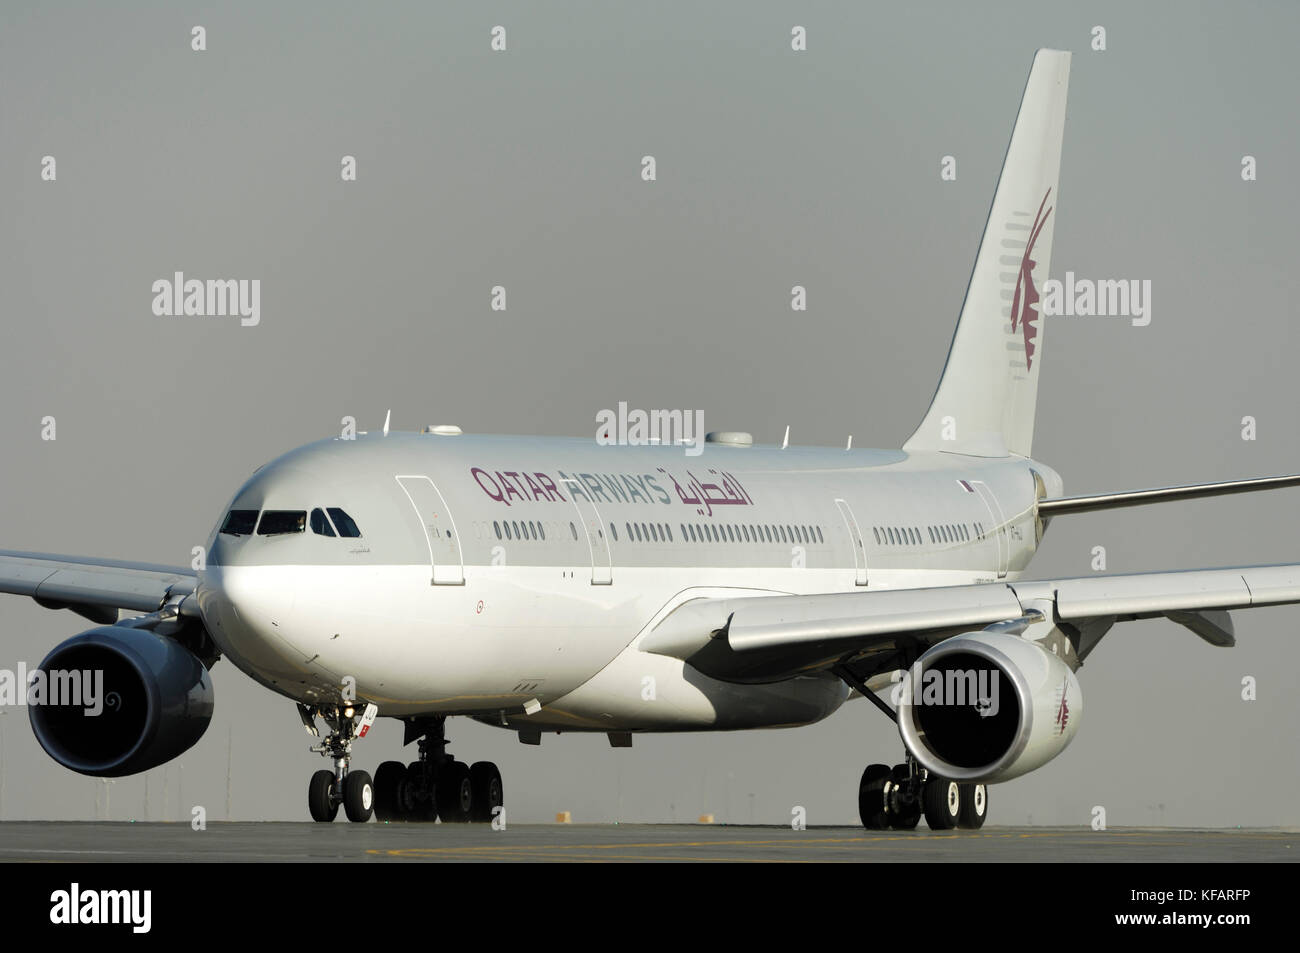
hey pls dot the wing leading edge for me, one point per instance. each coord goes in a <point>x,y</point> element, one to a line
<point>94,588</point>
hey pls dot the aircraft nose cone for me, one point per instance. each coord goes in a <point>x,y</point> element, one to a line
<point>248,611</point>
<point>257,594</point>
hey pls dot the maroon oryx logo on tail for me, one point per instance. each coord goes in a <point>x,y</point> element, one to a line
<point>1025,303</point>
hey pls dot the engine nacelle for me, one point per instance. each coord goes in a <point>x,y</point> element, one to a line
<point>988,706</point>
<point>143,700</point>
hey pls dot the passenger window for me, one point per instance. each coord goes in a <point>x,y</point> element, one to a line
<point>541,531</point>
<point>343,523</point>
<point>239,523</point>
<point>280,522</point>
<point>573,529</point>
<point>497,526</point>
<point>613,533</point>
<point>320,524</point>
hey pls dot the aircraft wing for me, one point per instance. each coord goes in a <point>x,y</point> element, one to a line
<point>765,638</point>
<point>94,588</point>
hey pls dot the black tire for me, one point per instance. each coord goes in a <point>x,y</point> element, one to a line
<point>942,801</point>
<point>488,792</point>
<point>388,779</point>
<point>974,806</point>
<point>907,812</point>
<point>322,806</point>
<point>358,796</point>
<point>871,797</point>
<point>454,792</point>
<point>417,794</point>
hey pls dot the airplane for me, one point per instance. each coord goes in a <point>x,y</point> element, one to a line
<point>548,585</point>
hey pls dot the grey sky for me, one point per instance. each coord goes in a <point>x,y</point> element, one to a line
<point>774,169</point>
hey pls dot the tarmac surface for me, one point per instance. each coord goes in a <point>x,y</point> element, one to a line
<point>55,842</point>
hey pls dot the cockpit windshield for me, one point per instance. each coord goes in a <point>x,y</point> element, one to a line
<point>320,524</point>
<point>239,523</point>
<point>346,527</point>
<point>282,522</point>
<point>279,522</point>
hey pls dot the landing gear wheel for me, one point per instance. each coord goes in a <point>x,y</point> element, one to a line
<point>417,793</point>
<point>942,801</point>
<point>320,802</point>
<point>901,800</point>
<point>454,793</point>
<point>974,806</point>
<point>487,792</point>
<point>388,780</point>
<point>358,796</point>
<point>871,797</point>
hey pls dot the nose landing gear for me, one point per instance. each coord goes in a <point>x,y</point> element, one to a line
<point>328,789</point>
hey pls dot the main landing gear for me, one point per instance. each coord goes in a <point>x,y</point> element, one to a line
<point>896,798</point>
<point>435,787</point>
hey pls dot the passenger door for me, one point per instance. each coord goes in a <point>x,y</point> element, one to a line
<point>602,563</point>
<point>855,540</point>
<point>445,562</point>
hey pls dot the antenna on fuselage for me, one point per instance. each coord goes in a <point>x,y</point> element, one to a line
<point>785,442</point>
<point>387,417</point>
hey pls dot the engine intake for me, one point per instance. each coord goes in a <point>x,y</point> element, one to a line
<point>115,701</point>
<point>988,707</point>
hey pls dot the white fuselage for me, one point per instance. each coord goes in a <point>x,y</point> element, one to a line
<point>493,575</point>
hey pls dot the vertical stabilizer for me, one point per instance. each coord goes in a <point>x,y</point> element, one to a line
<point>986,397</point>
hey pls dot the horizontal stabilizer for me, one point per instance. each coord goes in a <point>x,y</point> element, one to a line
<point>1165,494</point>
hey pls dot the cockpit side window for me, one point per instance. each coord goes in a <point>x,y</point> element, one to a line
<point>343,522</point>
<point>239,523</point>
<point>320,524</point>
<point>279,522</point>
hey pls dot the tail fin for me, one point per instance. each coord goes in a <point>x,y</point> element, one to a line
<point>987,394</point>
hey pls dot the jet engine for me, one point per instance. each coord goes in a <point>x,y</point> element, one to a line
<point>988,706</point>
<point>114,701</point>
